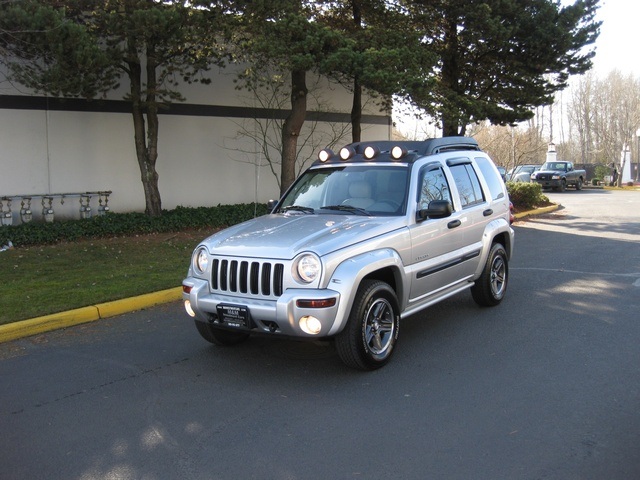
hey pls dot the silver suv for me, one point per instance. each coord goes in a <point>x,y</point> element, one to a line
<point>362,239</point>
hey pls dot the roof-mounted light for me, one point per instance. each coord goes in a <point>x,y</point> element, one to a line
<point>371,152</point>
<point>347,152</point>
<point>398,152</point>
<point>325,154</point>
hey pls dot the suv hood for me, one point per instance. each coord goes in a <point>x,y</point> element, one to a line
<point>284,236</point>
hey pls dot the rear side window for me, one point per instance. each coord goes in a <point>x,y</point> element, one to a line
<point>468,184</point>
<point>490,175</point>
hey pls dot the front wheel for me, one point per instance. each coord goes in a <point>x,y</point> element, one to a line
<point>563,185</point>
<point>490,288</point>
<point>369,338</point>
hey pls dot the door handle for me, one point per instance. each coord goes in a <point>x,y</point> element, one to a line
<point>454,223</point>
<point>487,212</point>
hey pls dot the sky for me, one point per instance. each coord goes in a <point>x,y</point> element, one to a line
<point>618,46</point>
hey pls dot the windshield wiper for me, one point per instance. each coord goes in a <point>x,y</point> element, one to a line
<point>297,208</point>
<point>347,208</point>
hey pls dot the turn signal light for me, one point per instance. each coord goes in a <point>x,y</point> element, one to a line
<point>322,303</point>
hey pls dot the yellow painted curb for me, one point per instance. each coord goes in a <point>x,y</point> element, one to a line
<point>118,307</point>
<point>537,211</point>
<point>25,328</point>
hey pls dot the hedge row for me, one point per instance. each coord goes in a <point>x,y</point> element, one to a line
<point>123,224</point>
<point>523,195</point>
<point>526,195</point>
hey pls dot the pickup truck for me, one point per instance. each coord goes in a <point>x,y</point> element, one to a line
<point>364,238</point>
<point>559,175</point>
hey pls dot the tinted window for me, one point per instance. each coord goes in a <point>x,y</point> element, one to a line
<point>468,184</point>
<point>493,181</point>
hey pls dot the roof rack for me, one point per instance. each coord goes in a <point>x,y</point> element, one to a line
<point>430,146</point>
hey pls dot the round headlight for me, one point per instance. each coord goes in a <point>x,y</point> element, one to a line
<point>201,260</point>
<point>308,268</point>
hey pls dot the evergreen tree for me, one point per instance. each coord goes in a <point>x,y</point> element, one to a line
<point>499,59</point>
<point>84,48</point>
<point>382,53</point>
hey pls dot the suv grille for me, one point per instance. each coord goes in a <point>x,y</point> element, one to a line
<point>247,277</point>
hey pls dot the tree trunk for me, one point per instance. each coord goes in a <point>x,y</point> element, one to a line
<point>356,108</point>
<point>356,111</point>
<point>146,153</point>
<point>450,79</point>
<point>291,128</point>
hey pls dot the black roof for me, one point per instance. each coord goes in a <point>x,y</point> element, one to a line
<point>430,146</point>
<point>413,149</point>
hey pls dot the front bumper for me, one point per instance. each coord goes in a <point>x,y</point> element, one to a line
<point>554,183</point>
<point>279,317</point>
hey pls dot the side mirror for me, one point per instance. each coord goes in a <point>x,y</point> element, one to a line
<point>271,204</point>
<point>435,209</point>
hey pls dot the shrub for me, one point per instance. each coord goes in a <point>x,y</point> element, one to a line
<point>629,184</point>
<point>595,181</point>
<point>602,171</point>
<point>526,195</point>
<point>123,224</point>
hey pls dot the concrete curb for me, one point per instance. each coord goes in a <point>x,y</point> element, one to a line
<point>34,326</point>
<point>537,211</point>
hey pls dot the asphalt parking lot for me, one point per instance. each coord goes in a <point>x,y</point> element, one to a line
<point>546,385</point>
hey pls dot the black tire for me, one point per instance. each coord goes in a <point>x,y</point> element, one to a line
<point>218,336</point>
<point>563,185</point>
<point>579,184</point>
<point>368,340</point>
<point>490,288</point>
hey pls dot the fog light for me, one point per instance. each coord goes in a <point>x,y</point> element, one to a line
<point>187,307</point>
<point>310,325</point>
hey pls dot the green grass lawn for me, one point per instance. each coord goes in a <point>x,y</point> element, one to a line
<point>38,281</point>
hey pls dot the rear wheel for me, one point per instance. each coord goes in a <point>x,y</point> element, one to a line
<point>579,184</point>
<point>490,288</point>
<point>369,338</point>
<point>220,337</point>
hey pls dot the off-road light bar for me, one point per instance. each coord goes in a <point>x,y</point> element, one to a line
<point>347,152</point>
<point>325,155</point>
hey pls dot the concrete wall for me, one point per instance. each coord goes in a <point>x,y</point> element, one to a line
<point>206,156</point>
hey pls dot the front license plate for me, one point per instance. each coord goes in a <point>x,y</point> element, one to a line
<point>234,315</point>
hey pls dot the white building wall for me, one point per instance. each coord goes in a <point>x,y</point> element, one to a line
<point>201,160</point>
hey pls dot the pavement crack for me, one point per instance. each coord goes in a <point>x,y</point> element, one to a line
<point>95,388</point>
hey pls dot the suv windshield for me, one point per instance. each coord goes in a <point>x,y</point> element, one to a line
<point>353,190</point>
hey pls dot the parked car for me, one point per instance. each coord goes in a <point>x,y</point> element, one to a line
<point>522,173</point>
<point>559,175</point>
<point>361,240</point>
